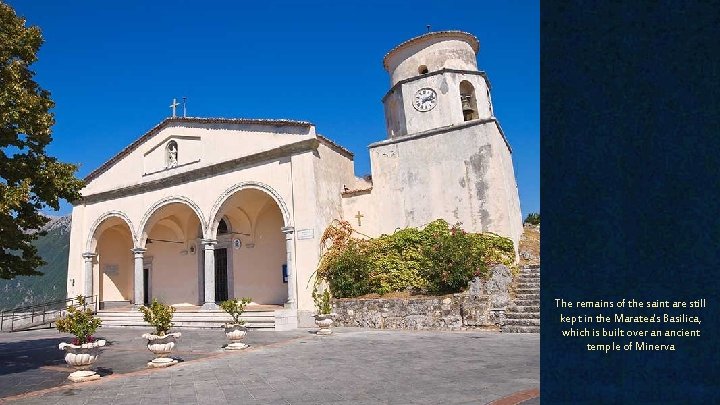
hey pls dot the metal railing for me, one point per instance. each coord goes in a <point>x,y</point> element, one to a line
<point>22,318</point>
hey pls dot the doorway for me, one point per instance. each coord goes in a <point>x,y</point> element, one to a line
<point>221,275</point>
<point>146,286</point>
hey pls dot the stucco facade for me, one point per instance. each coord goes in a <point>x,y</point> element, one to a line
<point>201,209</point>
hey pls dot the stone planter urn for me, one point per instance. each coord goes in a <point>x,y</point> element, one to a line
<point>81,357</point>
<point>235,333</point>
<point>324,322</point>
<point>161,346</point>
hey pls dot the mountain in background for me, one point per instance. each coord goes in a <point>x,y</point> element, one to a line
<point>52,285</point>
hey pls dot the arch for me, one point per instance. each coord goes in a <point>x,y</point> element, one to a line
<point>468,101</point>
<point>213,219</point>
<point>166,201</point>
<point>91,242</point>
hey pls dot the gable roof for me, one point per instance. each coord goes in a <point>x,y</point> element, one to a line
<point>192,120</point>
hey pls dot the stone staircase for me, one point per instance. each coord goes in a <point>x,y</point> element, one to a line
<point>257,318</point>
<point>523,314</point>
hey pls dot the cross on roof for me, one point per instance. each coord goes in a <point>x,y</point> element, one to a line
<point>173,106</point>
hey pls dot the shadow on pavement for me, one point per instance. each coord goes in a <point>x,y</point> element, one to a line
<point>16,357</point>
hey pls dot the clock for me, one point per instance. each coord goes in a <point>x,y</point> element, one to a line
<point>425,99</point>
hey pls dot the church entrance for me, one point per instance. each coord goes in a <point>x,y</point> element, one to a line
<point>146,286</point>
<point>251,249</point>
<point>221,275</point>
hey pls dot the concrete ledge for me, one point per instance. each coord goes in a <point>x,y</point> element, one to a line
<point>286,319</point>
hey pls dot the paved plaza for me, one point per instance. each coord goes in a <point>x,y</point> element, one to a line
<point>353,366</point>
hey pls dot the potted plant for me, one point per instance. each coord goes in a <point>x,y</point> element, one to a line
<point>235,331</point>
<point>324,317</point>
<point>162,341</point>
<point>84,349</point>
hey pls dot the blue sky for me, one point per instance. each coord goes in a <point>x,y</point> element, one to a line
<point>113,68</point>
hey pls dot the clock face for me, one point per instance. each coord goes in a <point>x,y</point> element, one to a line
<point>425,99</point>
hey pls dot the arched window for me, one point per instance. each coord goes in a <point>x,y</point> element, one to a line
<point>468,101</point>
<point>171,154</point>
<point>222,227</point>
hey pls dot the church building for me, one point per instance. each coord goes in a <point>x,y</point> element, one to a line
<point>199,210</point>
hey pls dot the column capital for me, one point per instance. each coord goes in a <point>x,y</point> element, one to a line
<point>208,243</point>
<point>89,255</point>
<point>287,230</point>
<point>139,251</point>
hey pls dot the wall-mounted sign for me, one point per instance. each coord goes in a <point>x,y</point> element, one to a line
<point>192,249</point>
<point>237,243</point>
<point>305,234</point>
<point>111,269</point>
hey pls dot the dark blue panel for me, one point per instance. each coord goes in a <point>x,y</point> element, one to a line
<point>630,190</point>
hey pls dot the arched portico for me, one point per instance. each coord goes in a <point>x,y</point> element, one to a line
<point>108,265</point>
<point>167,265</point>
<point>258,246</point>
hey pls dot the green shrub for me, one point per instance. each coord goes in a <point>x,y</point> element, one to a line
<point>159,316</point>
<point>235,308</point>
<point>533,218</point>
<point>438,259</point>
<point>322,301</point>
<point>79,321</point>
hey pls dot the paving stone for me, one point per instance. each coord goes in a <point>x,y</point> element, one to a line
<point>353,366</point>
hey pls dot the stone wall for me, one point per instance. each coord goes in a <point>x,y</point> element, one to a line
<point>453,312</point>
<point>481,306</point>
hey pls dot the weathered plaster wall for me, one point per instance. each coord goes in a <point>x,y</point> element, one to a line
<point>448,111</point>
<point>461,176</point>
<point>435,52</point>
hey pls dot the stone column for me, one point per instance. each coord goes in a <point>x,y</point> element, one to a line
<point>139,286</point>
<point>209,249</point>
<point>88,274</point>
<point>289,249</point>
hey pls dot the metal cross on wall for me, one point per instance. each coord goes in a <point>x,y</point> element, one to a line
<point>358,216</point>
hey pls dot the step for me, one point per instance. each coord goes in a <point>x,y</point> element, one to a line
<point>523,308</point>
<point>522,315</point>
<point>519,291</point>
<point>527,296</point>
<point>204,319</point>
<point>531,267</point>
<point>520,329</point>
<point>527,285</point>
<point>525,303</point>
<point>522,322</point>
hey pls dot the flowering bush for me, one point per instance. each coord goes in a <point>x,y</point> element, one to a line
<point>79,321</point>
<point>438,259</point>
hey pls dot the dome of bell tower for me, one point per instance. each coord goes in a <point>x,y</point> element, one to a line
<point>431,52</point>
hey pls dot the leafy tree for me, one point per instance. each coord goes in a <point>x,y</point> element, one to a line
<point>30,180</point>
<point>533,218</point>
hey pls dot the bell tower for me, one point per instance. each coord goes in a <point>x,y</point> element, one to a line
<point>435,83</point>
<point>445,155</point>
